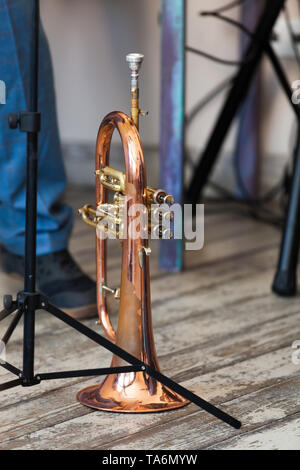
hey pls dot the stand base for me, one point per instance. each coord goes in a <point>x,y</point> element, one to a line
<point>285,283</point>
<point>133,392</point>
<point>135,388</point>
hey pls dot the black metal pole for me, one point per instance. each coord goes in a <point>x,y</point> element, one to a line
<point>235,97</point>
<point>285,282</point>
<point>283,80</point>
<point>31,202</point>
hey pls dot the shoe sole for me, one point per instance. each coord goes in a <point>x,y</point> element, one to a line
<point>79,313</point>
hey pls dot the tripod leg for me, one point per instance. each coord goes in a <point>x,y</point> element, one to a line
<point>11,384</point>
<point>285,282</point>
<point>12,327</point>
<point>203,404</point>
<point>4,313</point>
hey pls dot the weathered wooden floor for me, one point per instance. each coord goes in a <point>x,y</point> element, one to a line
<point>218,330</point>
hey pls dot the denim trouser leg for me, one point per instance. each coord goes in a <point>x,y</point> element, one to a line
<point>54,221</point>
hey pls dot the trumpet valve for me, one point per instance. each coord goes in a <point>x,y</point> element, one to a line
<point>159,196</point>
<point>162,232</point>
<point>115,292</point>
<point>169,200</point>
<point>167,234</point>
<point>168,217</point>
<point>143,252</point>
<point>161,213</point>
<point>107,210</point>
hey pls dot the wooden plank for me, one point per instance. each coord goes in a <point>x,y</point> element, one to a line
<point>104,430</point>
<point>180,343</point>
<point>207,349</point>
<point>230,286</point>
<point>200,355</point>
<point>255,239</point>
<point>242,365</point>
<point>215,258</point>
<point>284,435</point>
<point>256,404</point>
<point>160,316</point>
<point>229,290</point>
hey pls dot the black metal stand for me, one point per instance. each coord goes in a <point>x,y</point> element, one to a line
<point>236,96</point>
<point>285,281</point>
<point>28,301</point>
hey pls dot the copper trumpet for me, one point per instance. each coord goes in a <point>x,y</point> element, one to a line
<point>133,392</point>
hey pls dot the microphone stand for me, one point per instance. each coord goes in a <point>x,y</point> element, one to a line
<point>285,280</point>
<point>29,300</point>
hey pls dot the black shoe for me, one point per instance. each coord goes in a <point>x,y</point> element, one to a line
<point>60,279</point>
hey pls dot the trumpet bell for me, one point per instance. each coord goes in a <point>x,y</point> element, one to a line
<point>133,392</point>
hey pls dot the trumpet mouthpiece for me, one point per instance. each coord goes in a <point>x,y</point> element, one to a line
<point>135,61</point>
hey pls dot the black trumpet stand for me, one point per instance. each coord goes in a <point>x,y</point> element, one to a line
<point>240,88</point>
<point>28,301</point>
<point>285,282</point>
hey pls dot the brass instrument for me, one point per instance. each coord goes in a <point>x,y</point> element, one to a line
<point>133,391</point>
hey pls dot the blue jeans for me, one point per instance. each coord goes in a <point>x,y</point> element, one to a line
<point>54,221</point>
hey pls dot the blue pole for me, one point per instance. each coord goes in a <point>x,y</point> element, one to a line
<point>172,118</point>
<point>248,140</point>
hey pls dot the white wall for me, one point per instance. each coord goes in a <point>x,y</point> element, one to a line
<point>89,40</point>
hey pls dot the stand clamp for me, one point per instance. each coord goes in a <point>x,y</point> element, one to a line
<point>9,305</point>
<point>30,301</point>
<point>26,121</point>
<point>24,301</point>
<point>29,382</point>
